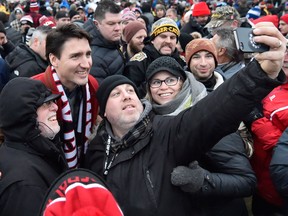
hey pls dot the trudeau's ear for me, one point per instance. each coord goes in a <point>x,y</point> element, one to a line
<point>53,60</point>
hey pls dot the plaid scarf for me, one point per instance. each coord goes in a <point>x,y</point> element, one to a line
<point>74,150</point>
<point>140,130</point>
<point>132,136</point>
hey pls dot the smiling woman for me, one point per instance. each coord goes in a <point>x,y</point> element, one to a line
<point>29,159</point>
<point>171,90</point>
<point>47,118</point>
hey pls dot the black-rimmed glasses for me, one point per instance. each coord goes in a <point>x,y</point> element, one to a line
<point>170,81</point>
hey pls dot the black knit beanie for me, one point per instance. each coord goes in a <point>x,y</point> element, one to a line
<point>107,85</point>
<point>165,63</point>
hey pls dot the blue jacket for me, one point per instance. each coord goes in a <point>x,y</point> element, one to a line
<point>4,73</point>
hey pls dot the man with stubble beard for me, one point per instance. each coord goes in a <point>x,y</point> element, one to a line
<point>134,34</point>
<point>162,42</point>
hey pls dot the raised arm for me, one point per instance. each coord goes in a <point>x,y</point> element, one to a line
<point>197,129</point>
<point>271,62</point>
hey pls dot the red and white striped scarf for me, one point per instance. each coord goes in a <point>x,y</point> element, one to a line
<point>74,150</point>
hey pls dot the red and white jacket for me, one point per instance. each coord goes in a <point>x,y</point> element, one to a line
<point>266,132</point>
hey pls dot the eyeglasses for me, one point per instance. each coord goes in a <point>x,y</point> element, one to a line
<point>170,81</point>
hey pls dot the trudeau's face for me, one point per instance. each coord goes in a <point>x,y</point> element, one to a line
<point>74,64</point>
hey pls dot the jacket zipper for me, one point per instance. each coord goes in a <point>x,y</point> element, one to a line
<point>150,189</point>
<point>149,178</point>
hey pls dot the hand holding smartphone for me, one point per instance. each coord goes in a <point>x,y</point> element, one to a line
<point>245,43</point>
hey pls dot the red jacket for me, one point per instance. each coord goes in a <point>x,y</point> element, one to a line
<point>47,79</point>
<point>266,132</point>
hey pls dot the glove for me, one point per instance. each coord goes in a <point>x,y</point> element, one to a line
<point>255,114</point>
<point>190,179</point>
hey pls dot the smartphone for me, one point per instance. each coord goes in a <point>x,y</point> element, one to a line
<point>244,41</point>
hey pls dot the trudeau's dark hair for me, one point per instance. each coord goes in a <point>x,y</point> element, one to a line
<point>57,37</point>
<point>106,6</point>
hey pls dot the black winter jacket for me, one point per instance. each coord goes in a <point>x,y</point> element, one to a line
<point>24,62</point>
<point>12,35</point>
<point>193,26</point>
<point>279,168</point>
<point>139,176</point>
<point>6,49</point>
<point>107,56</point>
<point>231,178</point>
<point>136,68</point>
<point>29,162</point>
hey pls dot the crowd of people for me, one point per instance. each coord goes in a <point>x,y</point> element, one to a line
<point>143,108</point>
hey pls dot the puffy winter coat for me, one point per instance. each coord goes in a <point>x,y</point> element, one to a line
<point>279,168</point>
<point>266,132</point>
<point>107,56</point>
<point>24,62</point>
